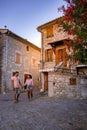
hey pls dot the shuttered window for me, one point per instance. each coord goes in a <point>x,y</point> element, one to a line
<point>48,55</point>
<point>49,31</point>
<point>61,56</point>
<point>33,62</point>
<point>18,60</point>
<point>57,57</point>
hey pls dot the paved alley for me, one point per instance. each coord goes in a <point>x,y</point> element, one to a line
<point>42,113</point>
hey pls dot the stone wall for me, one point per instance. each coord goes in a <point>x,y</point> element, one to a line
<point>1,59</point>
<point>66,85</point>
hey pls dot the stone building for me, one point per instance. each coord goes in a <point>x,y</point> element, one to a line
<point>17,54</point>
<point>58,74</point>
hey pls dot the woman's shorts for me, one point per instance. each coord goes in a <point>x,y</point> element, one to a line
<point>29,87</point>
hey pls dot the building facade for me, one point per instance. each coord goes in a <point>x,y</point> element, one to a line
<point>53,49</point>
<point>17,54</point>
<point>57,71</point>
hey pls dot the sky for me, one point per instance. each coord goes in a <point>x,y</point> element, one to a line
<point>22,17</point>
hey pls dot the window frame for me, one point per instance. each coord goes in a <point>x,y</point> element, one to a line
<point>49,31</point>
<point>27,48</point>
<point>48,55</point>
<point>18,58</point>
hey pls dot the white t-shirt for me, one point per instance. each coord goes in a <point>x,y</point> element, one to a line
<point>16,81</point>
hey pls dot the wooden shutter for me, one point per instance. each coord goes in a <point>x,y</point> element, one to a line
<point>51,55</point>
<point>17,58</point>
<point>46,57</point>
<point>49,31</point>
<point>57,57</point>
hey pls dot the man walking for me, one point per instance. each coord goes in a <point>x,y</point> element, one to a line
<point>16,84</point>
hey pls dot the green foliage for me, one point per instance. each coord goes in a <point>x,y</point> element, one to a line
<point>74,23</point>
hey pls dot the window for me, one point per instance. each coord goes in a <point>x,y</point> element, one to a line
<point>18,61</point>
<point>49,31</point>
<point>48,55</point>
<point>61,56</point>
<point>27,48</point>
<point>33,62</point>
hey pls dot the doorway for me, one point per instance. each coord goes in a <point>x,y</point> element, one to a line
<point>46,81</point>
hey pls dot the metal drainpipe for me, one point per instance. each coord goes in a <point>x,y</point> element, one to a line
<point>42,63</point>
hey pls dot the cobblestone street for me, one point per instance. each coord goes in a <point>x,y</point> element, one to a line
<point>42,113</point>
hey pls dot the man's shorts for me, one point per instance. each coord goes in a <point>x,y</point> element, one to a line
<point>17,90</point>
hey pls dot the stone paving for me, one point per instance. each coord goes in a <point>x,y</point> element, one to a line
<point>42,113</point>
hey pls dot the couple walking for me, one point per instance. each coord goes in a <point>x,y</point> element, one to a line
<point>17,86</point>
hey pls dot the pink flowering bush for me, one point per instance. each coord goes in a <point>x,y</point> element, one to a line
<point>74,23</point>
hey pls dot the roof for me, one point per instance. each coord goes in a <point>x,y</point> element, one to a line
<point>39,28</point>
<point>60,42</point>
<point>17,37</point>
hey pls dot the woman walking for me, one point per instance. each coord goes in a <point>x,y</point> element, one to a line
<point>29,83</point>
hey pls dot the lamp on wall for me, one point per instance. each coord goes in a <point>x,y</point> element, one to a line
<point>53,47</point>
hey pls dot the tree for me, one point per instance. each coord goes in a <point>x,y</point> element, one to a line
<point>74,22</point>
